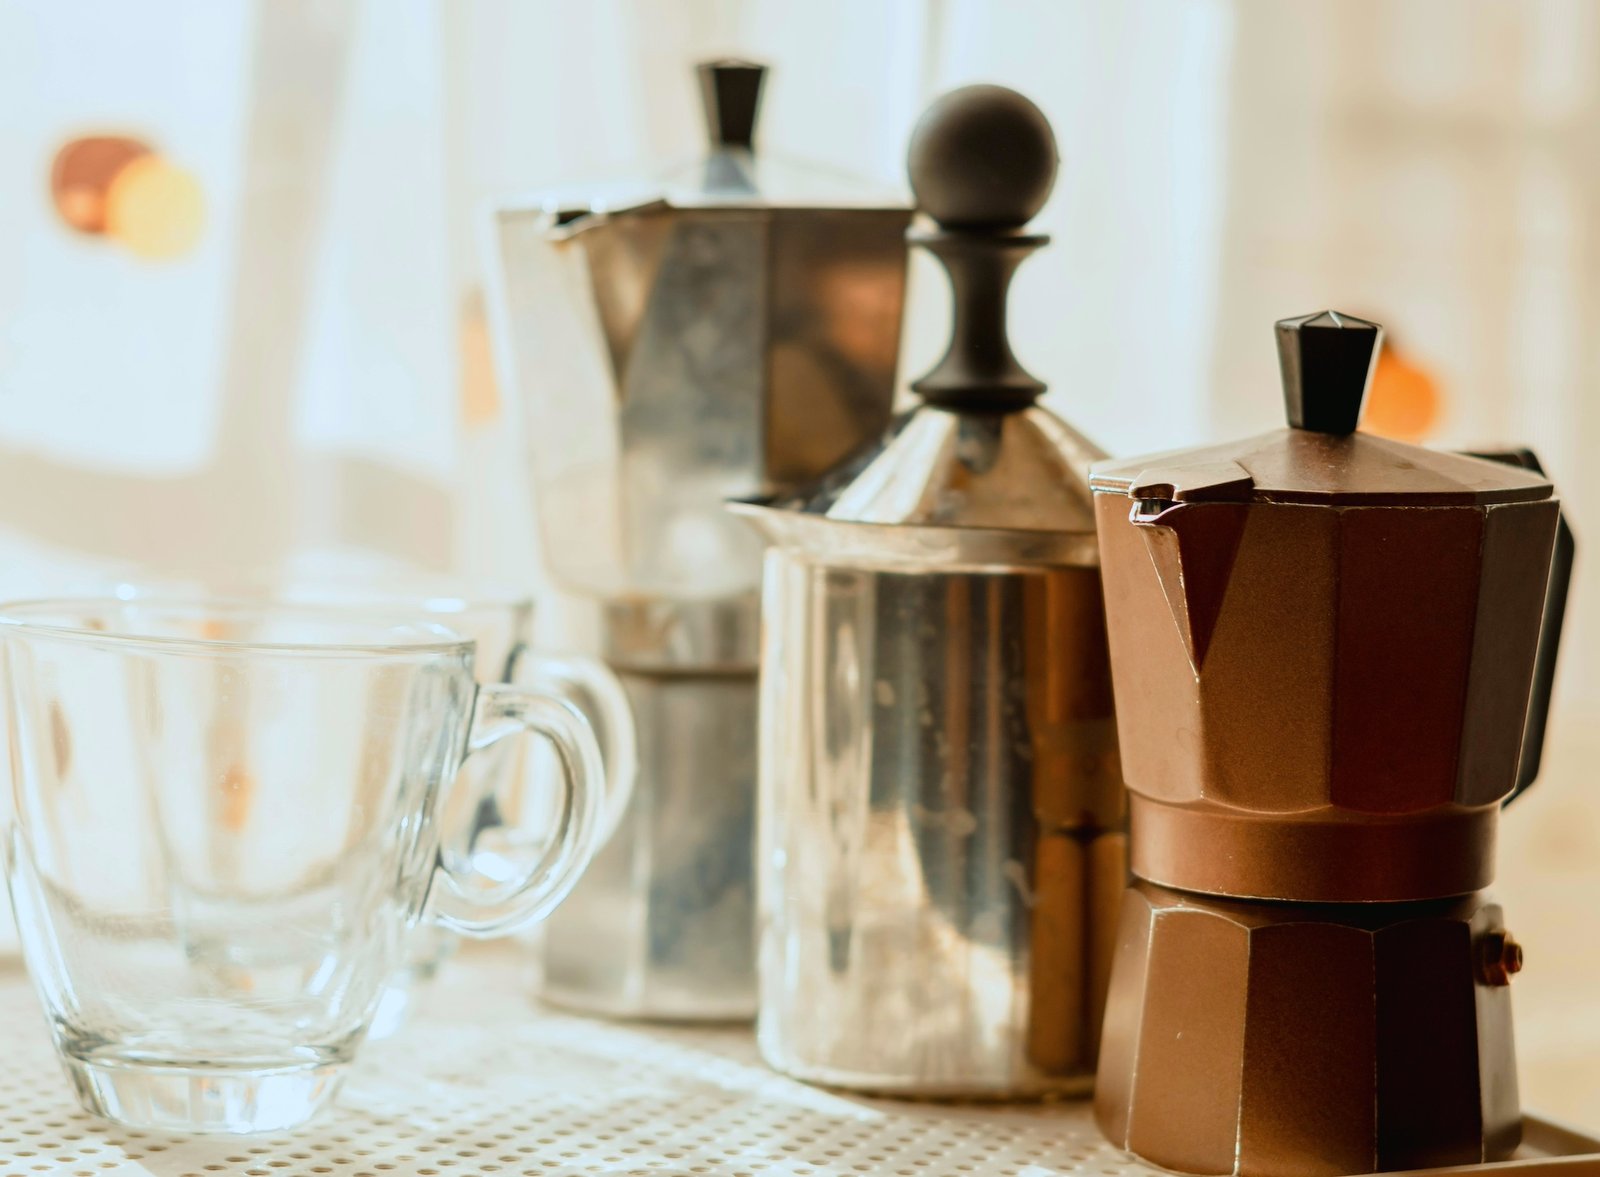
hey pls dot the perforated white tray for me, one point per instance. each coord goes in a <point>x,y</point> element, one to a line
<point>479,1081</point>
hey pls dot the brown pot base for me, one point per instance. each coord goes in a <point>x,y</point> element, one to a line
<point>1308,1039</point>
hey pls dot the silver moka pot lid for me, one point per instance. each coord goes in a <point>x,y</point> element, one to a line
<point>978,472</point>
<point>731,175</point>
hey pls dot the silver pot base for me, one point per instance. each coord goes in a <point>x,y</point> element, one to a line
<point>662,925</point>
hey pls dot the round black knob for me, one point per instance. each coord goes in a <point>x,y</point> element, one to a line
<point>982,157</point>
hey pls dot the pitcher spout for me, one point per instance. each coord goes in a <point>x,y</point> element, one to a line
<point>1192,546</point>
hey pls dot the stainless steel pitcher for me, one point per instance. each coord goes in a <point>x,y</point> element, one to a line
<point>729,329</point>
<point>941,849</point>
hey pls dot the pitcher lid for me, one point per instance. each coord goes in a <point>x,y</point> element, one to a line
<point>1022,471</point>
<point>1326,361</point>
<point>978,453</point>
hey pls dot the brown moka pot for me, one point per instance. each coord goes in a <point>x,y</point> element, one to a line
<point>1324,645</point>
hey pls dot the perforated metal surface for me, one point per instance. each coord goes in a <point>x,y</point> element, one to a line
<point>480,1081</point>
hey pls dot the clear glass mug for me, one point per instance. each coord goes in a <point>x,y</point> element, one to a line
<point>494,787</point>
<point>227,823</point>
<point>489,790</point>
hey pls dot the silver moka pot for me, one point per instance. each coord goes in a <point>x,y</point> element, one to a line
<point>730,329</point>
<point>941,849</point>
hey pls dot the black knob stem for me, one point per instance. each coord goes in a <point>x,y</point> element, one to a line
<point>1327,361</point>
<point>730,92</point>
<point>979,371</point>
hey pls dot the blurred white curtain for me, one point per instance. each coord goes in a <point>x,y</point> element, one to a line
<point>286,385</point>
<point>311,377</point>
<point>140,403</point>
<point>296,382</point>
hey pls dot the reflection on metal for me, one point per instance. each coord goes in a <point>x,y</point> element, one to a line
<point>661,924</point>
<point>941,838</point>
<point>941,846</point>
<point>725,331</point>
<point>672,358</point>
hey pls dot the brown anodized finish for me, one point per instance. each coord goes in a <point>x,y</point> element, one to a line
<point>1322,646</point>
<point>1323,687</point>
<point>1303,1040</point>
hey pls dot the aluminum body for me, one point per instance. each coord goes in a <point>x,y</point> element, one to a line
<point>941,816</point>
<point>662,923</point>
<point>670,358</point>
<point>727,331</point>
<point>941,844</point>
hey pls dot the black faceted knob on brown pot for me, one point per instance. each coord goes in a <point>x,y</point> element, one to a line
<point>1326,359</point>
<point>982,163</point>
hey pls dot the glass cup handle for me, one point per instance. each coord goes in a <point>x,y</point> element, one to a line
<point>590,685</point>
<point>475,902</point>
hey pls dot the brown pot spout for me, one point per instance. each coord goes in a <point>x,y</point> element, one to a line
<point>1192,546</point>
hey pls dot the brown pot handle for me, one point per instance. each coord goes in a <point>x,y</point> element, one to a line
<point>1555,609</point>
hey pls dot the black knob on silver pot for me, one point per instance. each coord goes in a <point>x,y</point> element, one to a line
<point>730,92</point>
<point>982,157</point>
<point>982,163</point>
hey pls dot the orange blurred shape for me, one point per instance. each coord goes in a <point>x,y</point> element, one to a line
<point>123,189</point>
<point>1405,402</point>
<point>480,395</point>
<point>155,209</point>
<point>238,788</point>
<point>82,172</point>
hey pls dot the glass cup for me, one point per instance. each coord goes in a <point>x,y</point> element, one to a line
<point>227,823</point>
<point>493,786</point>
<point>489,789</point>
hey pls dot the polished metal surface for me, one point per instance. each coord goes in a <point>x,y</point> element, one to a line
<point>937,468</point>
<point>727,330</point>
<point>942,850</point>
<point>663,923</point>
<point>914,549</point>
<point>671,358</point>
<point>941,855</point>
<point>666,635</point>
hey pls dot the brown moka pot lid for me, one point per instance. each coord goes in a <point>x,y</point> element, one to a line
<point>1326,360</point>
